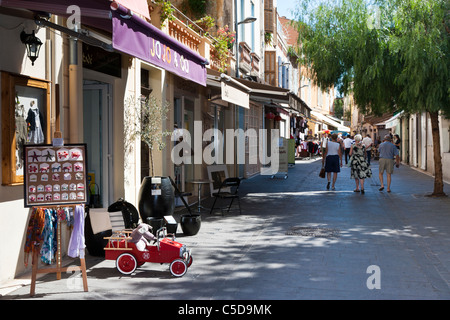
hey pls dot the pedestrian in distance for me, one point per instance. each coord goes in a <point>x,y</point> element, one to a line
<point>397,141</point>
<point>359,168</point>
<point>347,145</point>
<point>387,152</point>
<point>332,158</point>
<point>368,143</point>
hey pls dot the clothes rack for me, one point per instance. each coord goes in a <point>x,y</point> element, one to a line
<point>58,269</point>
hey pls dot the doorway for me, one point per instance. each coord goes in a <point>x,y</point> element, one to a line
<point>184,119</point>
<point>97,133</point>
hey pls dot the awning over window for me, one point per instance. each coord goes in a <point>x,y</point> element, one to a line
<point>324,119</point>
<point>88,8</point>
<point>269,94</point>
<point>131,33</point>
<point>393,122</point>
<point>135,36</point>
<point>231,90</point>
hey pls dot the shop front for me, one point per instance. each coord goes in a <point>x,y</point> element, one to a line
<point>230,108</point>
<point>276,106</point>
<point>28,117</point>
<point>79,86</point>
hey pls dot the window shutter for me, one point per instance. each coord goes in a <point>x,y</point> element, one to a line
<point>270,68</point>
<point>269,16</point>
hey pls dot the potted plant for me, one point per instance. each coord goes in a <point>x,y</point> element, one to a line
<point>143,119</point>
<point>166,11</point>
<point>222,44</point>
<point>206,23</point>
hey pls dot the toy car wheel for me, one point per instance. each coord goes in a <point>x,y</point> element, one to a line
<point>126,263</point>
<point>178,268</point>
<point>189,263</point>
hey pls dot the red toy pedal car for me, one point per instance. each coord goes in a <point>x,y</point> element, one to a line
<point>163,250</point>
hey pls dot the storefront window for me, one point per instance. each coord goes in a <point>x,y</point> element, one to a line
<point>25,120</point>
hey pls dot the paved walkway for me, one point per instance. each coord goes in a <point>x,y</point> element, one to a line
<point>296,240</point>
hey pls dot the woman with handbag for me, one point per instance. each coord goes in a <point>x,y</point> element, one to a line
<point>332,160</point>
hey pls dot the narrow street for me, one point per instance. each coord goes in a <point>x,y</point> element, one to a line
<point>295,240</point>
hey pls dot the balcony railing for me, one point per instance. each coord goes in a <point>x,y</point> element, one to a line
<point>179,31</point>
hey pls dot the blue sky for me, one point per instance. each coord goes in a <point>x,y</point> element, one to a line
<point>284,8</point>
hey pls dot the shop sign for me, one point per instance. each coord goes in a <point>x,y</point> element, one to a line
<point>144,41</point>
<point>99,60</point>
<point>234,95</point>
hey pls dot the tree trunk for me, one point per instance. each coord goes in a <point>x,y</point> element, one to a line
<point>151,162</point>
<point>438,175</point>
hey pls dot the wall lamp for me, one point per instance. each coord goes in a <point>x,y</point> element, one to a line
<point>33,45</point>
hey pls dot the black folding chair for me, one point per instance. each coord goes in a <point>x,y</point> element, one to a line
<point>181,195</point>
<point>228,190</point>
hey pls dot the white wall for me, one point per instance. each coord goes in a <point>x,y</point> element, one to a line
<point>13,215</point>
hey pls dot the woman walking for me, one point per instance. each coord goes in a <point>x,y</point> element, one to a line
<point>332,158</point>
<point>359,167</point>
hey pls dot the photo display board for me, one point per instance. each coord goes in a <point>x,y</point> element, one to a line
<point>55,175</point>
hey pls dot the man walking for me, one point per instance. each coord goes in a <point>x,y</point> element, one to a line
<point>387,153</point>
<point>347,145</point>
<point>367,141</point>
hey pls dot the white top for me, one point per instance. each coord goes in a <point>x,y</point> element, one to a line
<point>367,142</point>
<point>348,143</point>
<point>333,148</point>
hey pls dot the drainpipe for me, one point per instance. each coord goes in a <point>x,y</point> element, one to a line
<point>74,86</point>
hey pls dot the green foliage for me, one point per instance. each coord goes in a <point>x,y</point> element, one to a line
<point>339,108</point>
<point>206,22</point>
<point>394,55</point>
<point>223,43</point>
<point>143,118</point>
<point>167,11</point>
<point>198,7</point>
<point>268,38</point>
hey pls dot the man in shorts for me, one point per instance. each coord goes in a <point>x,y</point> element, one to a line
<point>387,152</point>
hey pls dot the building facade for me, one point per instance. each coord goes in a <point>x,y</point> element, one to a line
<point>96,66</point>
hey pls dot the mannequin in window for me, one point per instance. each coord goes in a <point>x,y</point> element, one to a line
<point>35,124</point>
<point>21,132</point>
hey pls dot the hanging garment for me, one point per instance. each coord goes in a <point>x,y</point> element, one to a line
<point>66,214</point>
<point>49,235</point>
<point>76,243</point>
<point>35,123</point>
<point>34,231</point>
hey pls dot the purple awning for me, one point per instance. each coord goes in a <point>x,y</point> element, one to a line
<point>140,39</point>
<point>133,36</point>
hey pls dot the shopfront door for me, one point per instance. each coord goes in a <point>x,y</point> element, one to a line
<point>97,132</point>
<point>184,119</point>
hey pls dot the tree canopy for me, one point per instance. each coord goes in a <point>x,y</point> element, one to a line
<point>392,54</point>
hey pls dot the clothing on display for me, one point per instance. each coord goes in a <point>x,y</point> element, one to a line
<point>34,231</point>
<point>49,235</point>
<point>35,122</point>
<point>21,133</point>
<point>76,243</point>
<point>43,229</point>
